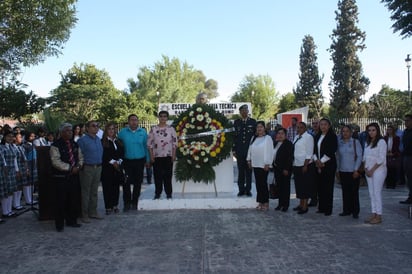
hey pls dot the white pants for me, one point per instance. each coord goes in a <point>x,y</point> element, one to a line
<point>375,185</point>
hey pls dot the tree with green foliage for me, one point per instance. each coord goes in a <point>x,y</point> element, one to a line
<point>170,80</point>
<point>348,84</point>
<point>287,102</point>
<point>309,91</point>
<point>260,91</point>
<point>388,103</point>
<point>32,30</point>
<point>401,13</point>
<point>16,103</point>
<point>86,93</point>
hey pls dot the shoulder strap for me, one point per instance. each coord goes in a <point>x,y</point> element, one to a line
<point>354,147</point>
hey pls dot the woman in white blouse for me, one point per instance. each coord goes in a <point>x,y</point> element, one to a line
<point>260,157</point>
<point>374,158</point>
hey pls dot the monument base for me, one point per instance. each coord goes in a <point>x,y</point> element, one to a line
<point>224,181</point>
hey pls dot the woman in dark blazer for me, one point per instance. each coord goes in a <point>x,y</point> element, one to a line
<point>111,177</point>
<point>282,166</point>
<point>393,156</point>
<point>326,145</point>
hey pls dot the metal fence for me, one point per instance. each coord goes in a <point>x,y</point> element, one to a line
<point>361,122</point>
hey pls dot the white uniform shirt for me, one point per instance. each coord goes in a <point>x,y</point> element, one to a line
<point>376,155</point>
<point>303,150</point>
<point>260,152</point>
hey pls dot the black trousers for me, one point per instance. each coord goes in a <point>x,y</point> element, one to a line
<point>134,172</point>
<point>163,171</point>
<point>392,177</point>
<point>326,181</point>
<point>262,189</point>
<point>350,192</point>
<point>284,187</point>
<point>110,183</point>
<point>67,200</point>
<point>244,180</point>
<point>407,167</point>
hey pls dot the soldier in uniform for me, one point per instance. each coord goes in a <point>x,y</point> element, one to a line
<point>245,128</point>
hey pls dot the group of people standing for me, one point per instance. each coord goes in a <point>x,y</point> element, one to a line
<point>315,159</point>
<point>18,171</point>
<point>114,160</point>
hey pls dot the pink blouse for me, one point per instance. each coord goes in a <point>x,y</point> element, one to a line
<point>162,140</point>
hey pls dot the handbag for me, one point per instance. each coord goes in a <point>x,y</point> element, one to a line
<point>273,190</point>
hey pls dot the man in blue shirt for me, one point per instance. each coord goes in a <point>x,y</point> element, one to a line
<point>136,156</point>
<point>92,149</point>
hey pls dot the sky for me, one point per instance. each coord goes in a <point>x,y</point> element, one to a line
<point>226,39</point>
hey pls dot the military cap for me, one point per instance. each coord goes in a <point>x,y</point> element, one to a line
<point>243,107</point>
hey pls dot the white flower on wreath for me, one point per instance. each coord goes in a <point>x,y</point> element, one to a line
<point>208,120</point>
<point>197,166</point>
<point>191,113</point>
<point>187,125</point>
<point>193,119</point>
<point>199,117</point>
<point>207,114</point>
<point>203,153</point>
<point>205,160</point>
<point>199,109</point>
<point>199,127</point>
<point>196,158</point>
<point>189,162</point>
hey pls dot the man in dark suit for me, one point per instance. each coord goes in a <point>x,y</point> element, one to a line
<point>245,128</point>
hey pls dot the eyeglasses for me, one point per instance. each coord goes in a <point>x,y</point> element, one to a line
<point>94,125</point>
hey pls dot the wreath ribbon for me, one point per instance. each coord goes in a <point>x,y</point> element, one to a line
<point>206,133</point>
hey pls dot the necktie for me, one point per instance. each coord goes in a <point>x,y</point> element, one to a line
<point>71,156</point>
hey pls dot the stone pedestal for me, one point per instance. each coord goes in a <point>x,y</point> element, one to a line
<point>224,181</point>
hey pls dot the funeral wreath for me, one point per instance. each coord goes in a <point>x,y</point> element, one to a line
<point>204,140</point>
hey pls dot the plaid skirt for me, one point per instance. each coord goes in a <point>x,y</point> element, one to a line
<point>3,189</point>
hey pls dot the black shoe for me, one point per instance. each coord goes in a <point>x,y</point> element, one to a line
<point>241,193</point>
<point>169,197</point>
<point>134,207</point>
<point>278,207</point>
<point>301,211</point>
<point>344,214</point>
<point>296,208</point>
<point>406,202</point>
<point>249,194</point>
<point>355,216</point>
<point>2,221</point>
<point>312,204</point>
<point>19,207</point>
<point>320,212</point>
<point>328,213</point>
<point>156,197</point>
<point>9,215</point>
<point>74,225</point>
<point>59,229</point>
<point>284,209</point>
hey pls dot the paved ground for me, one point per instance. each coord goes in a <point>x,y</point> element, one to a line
<point>215,241</point>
